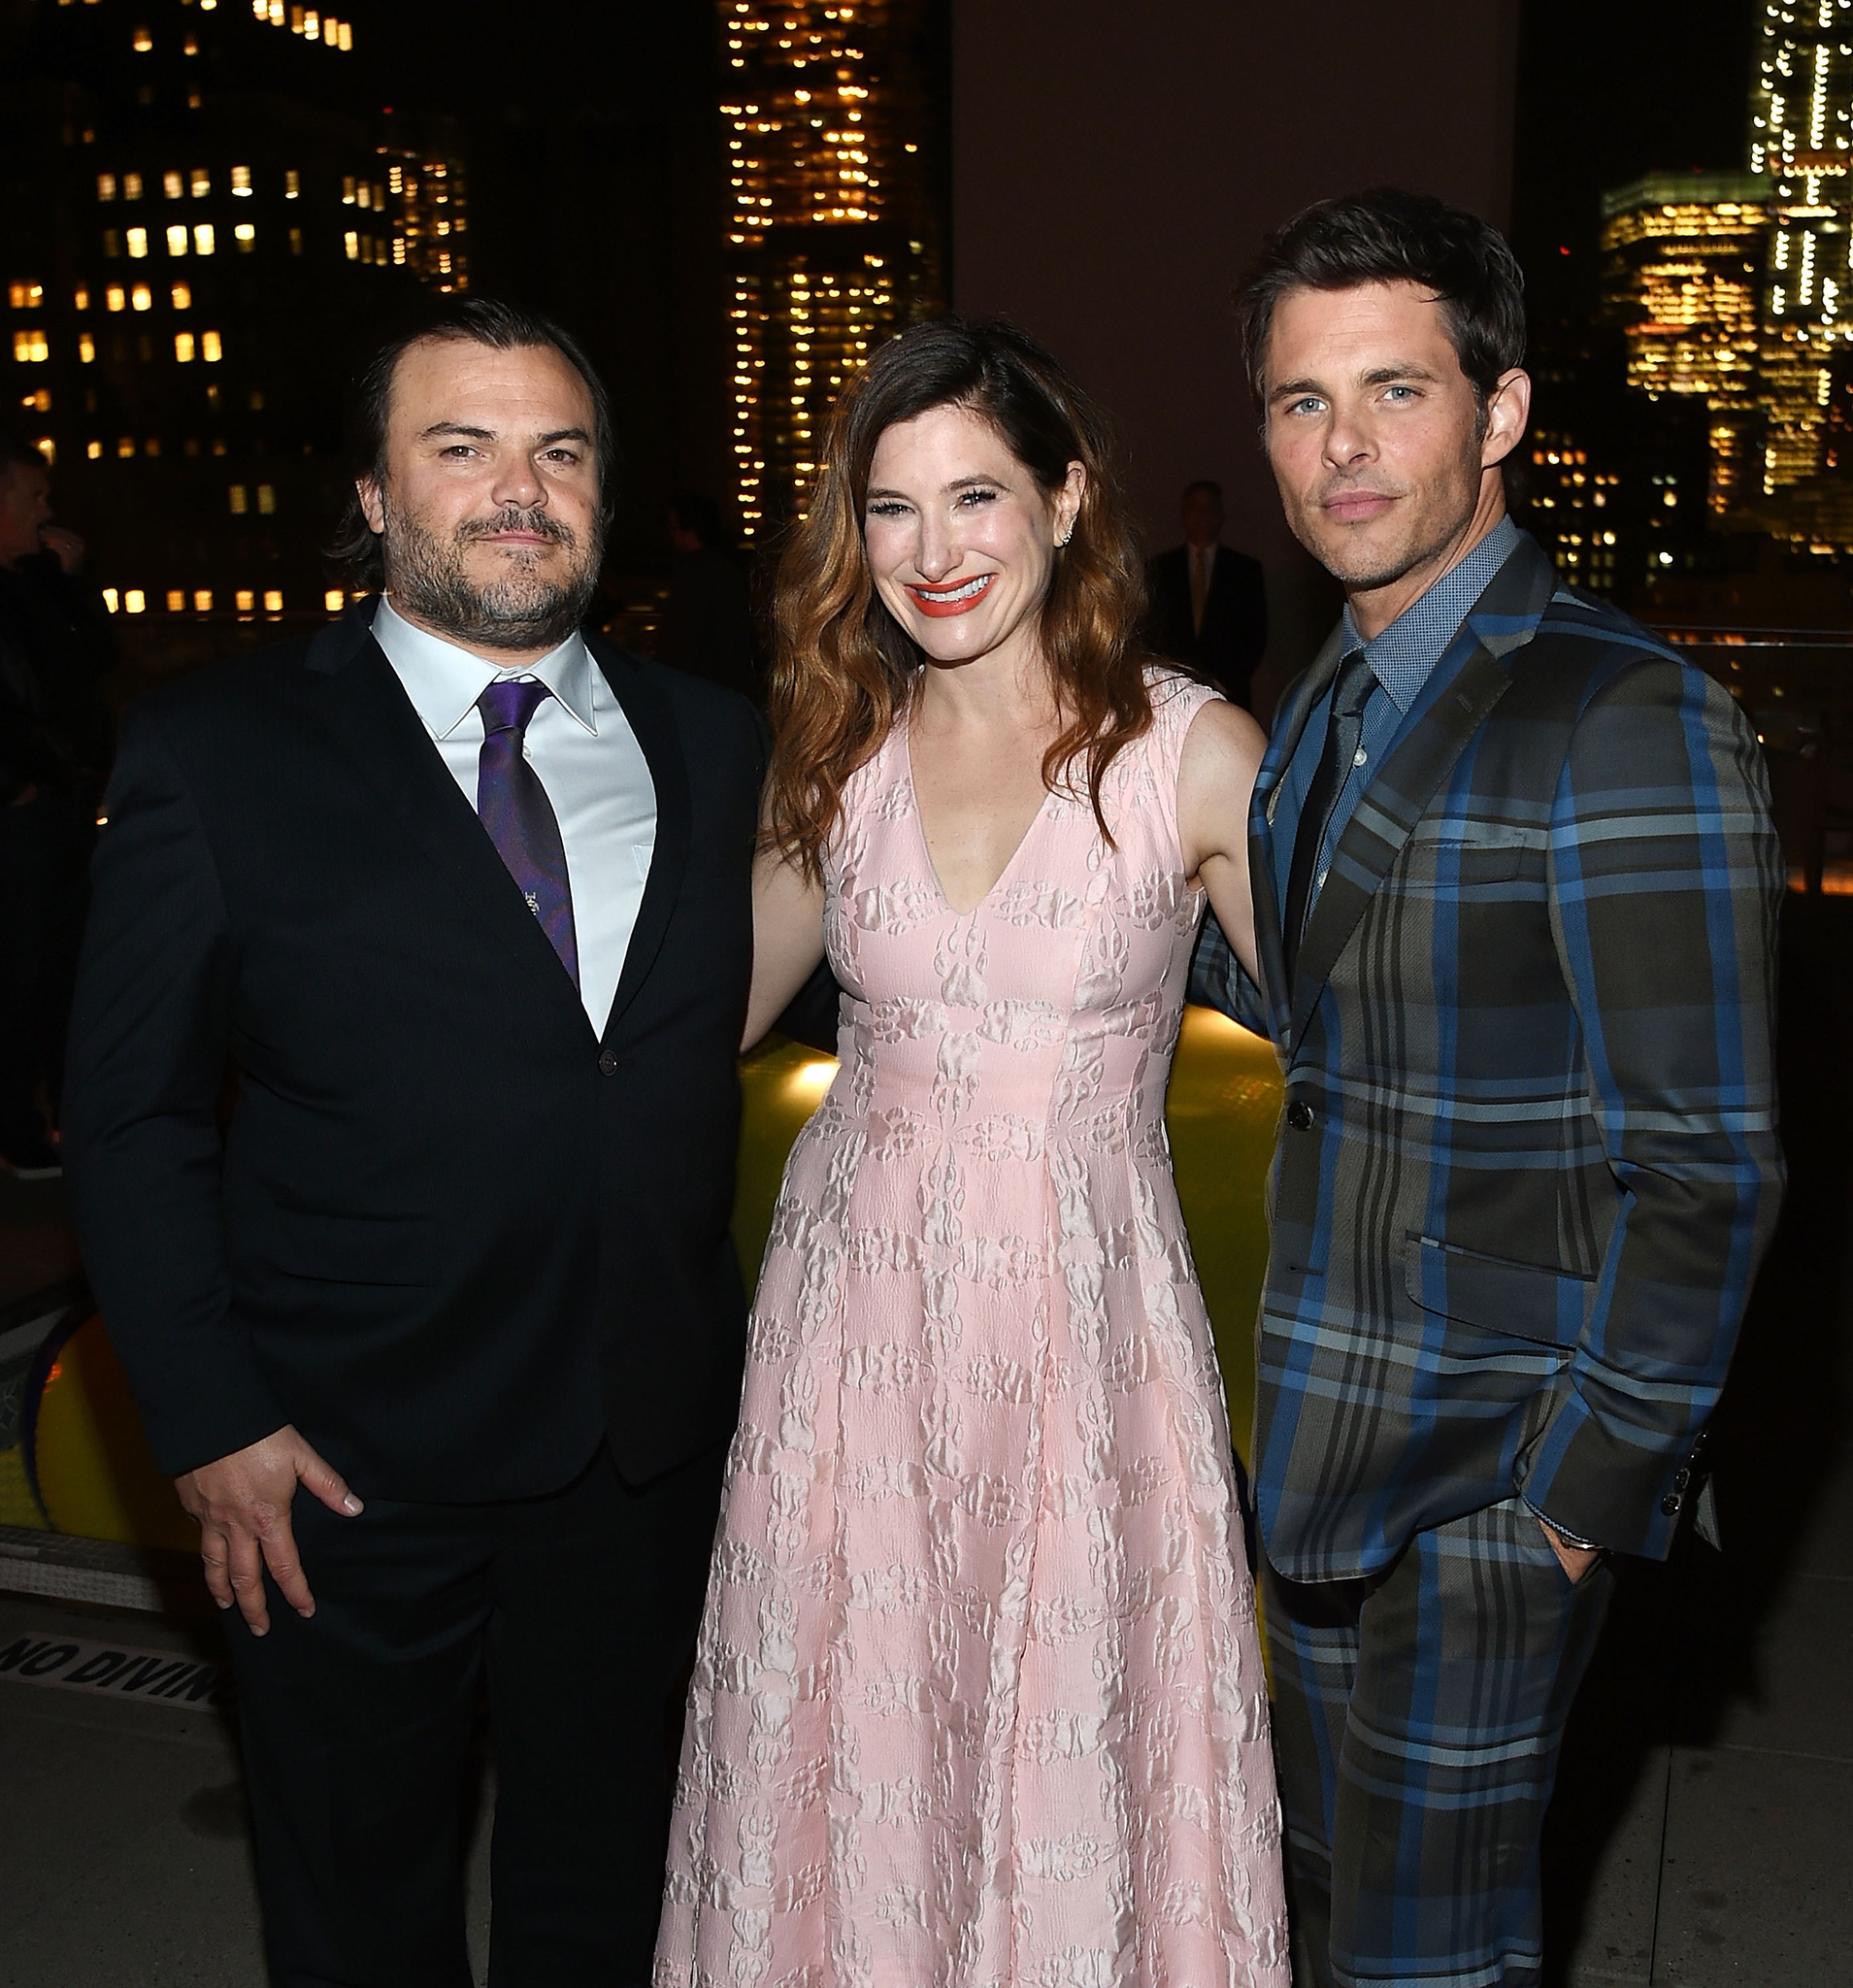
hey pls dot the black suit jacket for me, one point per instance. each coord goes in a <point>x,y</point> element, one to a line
<point>1235,631</point>
<point>448,1232</point>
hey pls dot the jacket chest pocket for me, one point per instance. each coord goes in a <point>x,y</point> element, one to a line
<point>1492,859</point>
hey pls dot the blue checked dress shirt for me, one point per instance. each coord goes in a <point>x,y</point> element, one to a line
<point>1400,659</point>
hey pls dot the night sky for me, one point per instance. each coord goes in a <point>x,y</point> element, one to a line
<point>1608,90</point>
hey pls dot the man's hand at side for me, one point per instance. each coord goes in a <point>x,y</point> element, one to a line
<point>1576,1561</point>
<point>241,1502</point>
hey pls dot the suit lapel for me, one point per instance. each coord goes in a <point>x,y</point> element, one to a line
<point>1290,724</point>
<point>652,720</point>
<point>373,726</point>
<point>1464,687</point>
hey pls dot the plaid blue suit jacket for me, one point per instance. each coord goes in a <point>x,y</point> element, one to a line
<point>1528,1162</point>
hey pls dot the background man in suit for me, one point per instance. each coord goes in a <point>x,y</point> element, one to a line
<point>1209,606</point>
<point>1516,898</point>
<point>443,1332</point>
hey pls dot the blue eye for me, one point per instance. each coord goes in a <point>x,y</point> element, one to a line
<point>887,507</point>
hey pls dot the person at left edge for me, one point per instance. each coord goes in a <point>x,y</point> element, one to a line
<point>443,1335</point>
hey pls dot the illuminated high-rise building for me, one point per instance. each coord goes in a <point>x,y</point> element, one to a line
<point>209,223</point>
<point>1801,149</point>
<point>1682,275</point>
<point>833,238</point>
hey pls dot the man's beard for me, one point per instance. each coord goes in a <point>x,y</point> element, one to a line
<point>522,611</point>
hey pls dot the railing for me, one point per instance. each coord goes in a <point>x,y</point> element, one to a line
<point>1797,686</point>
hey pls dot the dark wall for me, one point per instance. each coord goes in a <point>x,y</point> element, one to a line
<point>1115,167</point>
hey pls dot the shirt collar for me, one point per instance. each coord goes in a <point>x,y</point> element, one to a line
<point>444,682</point>
<point>1403,653</point>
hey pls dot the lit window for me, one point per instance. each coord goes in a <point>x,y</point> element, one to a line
<point>240,504</point>
<point>348,191</point>
<point>365,195</point>
<point>182,297</point>
<point>203,239</point>
<point>295,240</point>
<point>49,449</point>
<point>94,451</point>
<point>29,348</point>
<point>352,242</point>
<point>346,35</point>
<point>246,237</point>
<point>25,296</point>
<point>152,445</point>
<point>202,600</point>
<point>183,347</point>
<point>135,601</point>
<point>176,239</point>
<point>240,183</point>
<point>332,600</point>
<point>176,601</point>
<point>292,183</point>
<point>244,600</point>
<point>131,185</point>
<point>106,185</point>
<point>112,242</point>
<point>82,299</point>
<point>267,499</point>
<point>311,26</point>
<point>171,185</point>
<point>112,600</point>
<point>273,602</point>
<point>142,41</point>
<point>138,243</point>
<point>114,297</point>
<point>201,182</point>
<point>86,348</point>
<point>142,297</point>
<point>209,348</point>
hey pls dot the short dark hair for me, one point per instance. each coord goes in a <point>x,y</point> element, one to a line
<point>473,320</point>
<point>694,511</point>
<point>16,454</point>
<point>1388,235</point>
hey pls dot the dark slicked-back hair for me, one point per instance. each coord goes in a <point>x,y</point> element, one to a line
<point>1387,236</point>
<point>462,320</point>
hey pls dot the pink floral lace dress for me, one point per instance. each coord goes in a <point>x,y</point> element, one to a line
<point>978,1699</point>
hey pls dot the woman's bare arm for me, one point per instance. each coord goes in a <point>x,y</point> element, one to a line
<point>787,939</point>
<point>1216,778</point>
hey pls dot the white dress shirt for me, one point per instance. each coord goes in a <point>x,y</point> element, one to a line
<point>581,745</point>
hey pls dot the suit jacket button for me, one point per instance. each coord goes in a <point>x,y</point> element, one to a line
<point>1681,1477</point>
<point>1670,1504</point>
<point>1300,1115</point>
<point>607,1062</point>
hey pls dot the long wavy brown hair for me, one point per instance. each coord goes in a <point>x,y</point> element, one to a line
<point>844,671</point>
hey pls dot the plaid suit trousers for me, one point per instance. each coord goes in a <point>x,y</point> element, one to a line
<point>1417,1718</point>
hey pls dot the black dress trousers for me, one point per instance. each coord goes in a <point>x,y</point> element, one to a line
<point>578,1612</point>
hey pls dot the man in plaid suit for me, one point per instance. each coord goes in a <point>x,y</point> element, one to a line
<point>1515,904</point>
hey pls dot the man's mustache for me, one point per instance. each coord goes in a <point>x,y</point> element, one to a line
<point>511,518</point>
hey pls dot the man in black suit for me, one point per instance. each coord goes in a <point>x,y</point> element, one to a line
<point>440,1330</point>
<point>1209,605</point>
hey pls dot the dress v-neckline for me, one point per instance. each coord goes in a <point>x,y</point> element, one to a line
<point>926,848</point>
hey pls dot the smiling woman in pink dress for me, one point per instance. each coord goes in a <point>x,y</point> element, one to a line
<point>978,1699</point>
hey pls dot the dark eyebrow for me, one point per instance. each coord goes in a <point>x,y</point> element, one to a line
<point>958,483</point>
<point>463,428</point>
<point>1383,376</point>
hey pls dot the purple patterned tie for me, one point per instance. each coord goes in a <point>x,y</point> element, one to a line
<point>519,818</point>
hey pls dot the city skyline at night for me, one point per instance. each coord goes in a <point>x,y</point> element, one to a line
<point>220,212</point>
